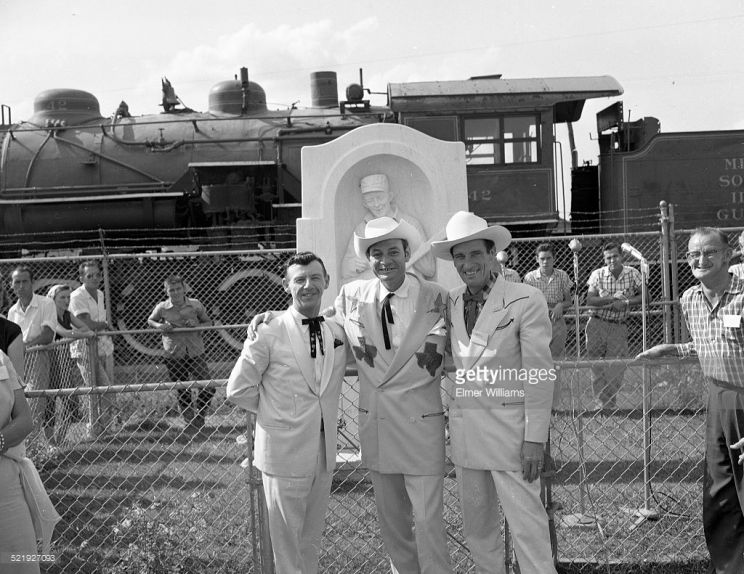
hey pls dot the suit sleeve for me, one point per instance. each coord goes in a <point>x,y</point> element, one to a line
<point>245,378</point>
<point>534,336</point>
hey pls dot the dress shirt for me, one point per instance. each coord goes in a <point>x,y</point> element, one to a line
<point>41,312</point>
<point>320,344</point>
<point>605,284</point>
<point>717,332</point>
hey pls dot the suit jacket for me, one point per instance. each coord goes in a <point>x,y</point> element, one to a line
<point>504,381</point>
<point>275,378</point>
<point>401,419</point>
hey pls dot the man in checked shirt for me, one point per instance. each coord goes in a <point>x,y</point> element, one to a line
<point>713,311</point>
<point>612,291</point>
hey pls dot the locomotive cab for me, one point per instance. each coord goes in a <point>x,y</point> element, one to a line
<point>508,128</point>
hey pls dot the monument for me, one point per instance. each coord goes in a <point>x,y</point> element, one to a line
<point>376,170</point>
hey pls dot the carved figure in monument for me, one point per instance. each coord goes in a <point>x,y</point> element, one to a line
<point>377,198</point>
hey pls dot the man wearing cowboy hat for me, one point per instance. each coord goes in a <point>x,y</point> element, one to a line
<point>395,327</point>
<point>500,411</point>
<point>377,198</point>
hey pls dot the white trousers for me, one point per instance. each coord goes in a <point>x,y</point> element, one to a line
<point>296,512</point>
<point>404,501</point>
<point>480,494</point>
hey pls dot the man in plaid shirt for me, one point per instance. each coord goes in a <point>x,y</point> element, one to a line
<point>612,290</point>
<point>713,311</point>
<point>556,285</point>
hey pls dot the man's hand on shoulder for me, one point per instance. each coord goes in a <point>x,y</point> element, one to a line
<point>259,319</point>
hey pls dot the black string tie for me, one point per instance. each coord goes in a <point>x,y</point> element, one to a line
<point>386,316</point>
<point>315,333</point>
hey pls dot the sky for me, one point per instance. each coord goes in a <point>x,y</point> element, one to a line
<point>680,61</point>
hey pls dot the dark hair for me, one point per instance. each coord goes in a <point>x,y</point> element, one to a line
<point>303,258</point>
<point>23,269</point>
<point>405,245</point>
<point>489,245</point>
<point>711,231</point>
<point>610,246</point>
<point>88,263</point>
<point>173,280</point>
<point>545,247</point>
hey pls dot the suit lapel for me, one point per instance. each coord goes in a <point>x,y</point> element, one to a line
<point>300,347</point>
<point>489,319</point>
<point>328,358</point>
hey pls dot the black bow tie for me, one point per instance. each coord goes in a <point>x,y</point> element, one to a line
<point>386,316</point>
<point>315,331</point>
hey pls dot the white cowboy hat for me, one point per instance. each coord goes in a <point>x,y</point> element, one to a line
<point>384,228</point>
<point>465,226</point>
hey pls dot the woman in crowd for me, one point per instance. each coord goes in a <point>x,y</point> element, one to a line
<point>63,369</point>
<point>17,537</point>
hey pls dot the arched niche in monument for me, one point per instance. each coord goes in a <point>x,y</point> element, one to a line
<point>427,179</point>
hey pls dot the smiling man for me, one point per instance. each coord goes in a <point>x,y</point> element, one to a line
<point>500,415</point>
<point>395,326</point>
<point>713,310</point>
<point>290,376</point>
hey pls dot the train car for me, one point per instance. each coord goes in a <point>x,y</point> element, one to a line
<point>700,173</point>
<point>68,168</point>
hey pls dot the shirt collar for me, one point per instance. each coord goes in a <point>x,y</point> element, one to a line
<point>735,286</point>
<point>403,291</point>
<point>488,286</point>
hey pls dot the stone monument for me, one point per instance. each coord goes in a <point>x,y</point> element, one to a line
<point>376,170</point>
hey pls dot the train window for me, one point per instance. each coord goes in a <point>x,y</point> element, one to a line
<point>501,140</point>
<point>443,127</point>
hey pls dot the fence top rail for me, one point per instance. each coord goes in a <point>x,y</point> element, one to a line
<point>149,255</point>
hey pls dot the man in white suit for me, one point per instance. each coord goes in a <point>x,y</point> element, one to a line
<point>500,413</point>
<point>290,375</point>
<point>395,327</point>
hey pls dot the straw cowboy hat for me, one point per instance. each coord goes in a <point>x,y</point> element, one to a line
<point>465,226</point>
<point>384,228</point>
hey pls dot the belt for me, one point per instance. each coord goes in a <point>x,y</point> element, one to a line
<point>615,321</point>
<point>725,385</point>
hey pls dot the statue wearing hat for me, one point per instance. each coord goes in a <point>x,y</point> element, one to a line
<point>500,411</point>
<point>377,198</point>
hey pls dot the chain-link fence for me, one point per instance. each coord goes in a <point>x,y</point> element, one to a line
<point>155,495</point>
<point>151,494</point>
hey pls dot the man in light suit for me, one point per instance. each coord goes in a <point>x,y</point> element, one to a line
<point>500,413</point>
<point>290,375</point>
<point>395,327</point>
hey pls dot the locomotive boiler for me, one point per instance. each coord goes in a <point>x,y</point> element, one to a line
<point>69,168</point>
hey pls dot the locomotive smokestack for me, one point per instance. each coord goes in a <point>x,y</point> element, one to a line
<point>244,87</point>
<point>323,89</point>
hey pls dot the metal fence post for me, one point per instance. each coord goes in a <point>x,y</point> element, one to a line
<point>94,400</point>
<point>665,271</point>
<point>263,552</point>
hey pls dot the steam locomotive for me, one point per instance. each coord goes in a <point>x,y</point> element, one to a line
<point>68,168</point>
